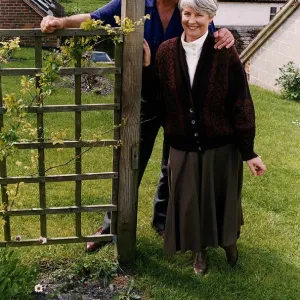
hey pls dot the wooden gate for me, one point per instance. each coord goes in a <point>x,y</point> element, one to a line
<point>126,106</point>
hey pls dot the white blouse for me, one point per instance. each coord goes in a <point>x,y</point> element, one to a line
<point>192,53</point>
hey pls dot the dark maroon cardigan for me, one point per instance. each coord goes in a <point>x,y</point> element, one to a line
<point>215,111</point>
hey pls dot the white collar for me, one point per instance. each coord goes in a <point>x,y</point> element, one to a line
<point>197,43</point>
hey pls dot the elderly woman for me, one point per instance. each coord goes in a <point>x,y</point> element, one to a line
<point>209,119</point>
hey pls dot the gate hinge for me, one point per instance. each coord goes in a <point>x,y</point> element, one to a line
<point>114,239</point>
<point>134,157</point>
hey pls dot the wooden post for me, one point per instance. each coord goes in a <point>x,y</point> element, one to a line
<point>130,133</point>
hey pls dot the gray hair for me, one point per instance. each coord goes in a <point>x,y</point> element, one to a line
<point>208,6</point>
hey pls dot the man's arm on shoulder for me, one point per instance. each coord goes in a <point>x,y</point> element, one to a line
<point>224,38</point>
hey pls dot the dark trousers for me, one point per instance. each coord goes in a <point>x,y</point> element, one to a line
<point>150,125</point>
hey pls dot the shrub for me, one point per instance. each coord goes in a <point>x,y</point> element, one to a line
<point>8,49</point>
<point>16,281</point>
<point>103,270</point>
<point>289,81</point>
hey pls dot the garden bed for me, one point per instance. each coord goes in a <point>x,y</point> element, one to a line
<point>76,287</point>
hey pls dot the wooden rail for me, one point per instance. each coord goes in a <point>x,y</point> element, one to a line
<point>59,210</point>
<point>56,241</point>
<point>68,108</point>
<point>62,72</point>
<point>70,32</point>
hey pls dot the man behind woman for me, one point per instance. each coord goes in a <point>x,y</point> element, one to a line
<point>208,116</point>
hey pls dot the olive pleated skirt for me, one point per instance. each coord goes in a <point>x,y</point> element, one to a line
<point>204,207</point>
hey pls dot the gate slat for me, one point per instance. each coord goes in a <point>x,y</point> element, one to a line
<point>56,241</point>
<point>62,72</point>
<point>66,144</point>
<point>3,172</point>
<point>78,160</point>
<point>62,32</point>
<point>40,135</point>
<point>58,178</point>
<point>67,108</point>
<point>59,210</point>
<point>116,151</point>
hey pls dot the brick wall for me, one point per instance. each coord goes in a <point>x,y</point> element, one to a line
<point>16,14</point>
<point>283,46</point>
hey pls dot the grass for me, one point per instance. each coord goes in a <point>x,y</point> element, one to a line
<point>78,6</point>
<point>60,194</point>
<point>269,246</point>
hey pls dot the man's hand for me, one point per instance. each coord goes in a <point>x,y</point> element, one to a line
<point>147,54</point>
<point>224,38</point>
<point>49,24</point>
<point>256,166</point>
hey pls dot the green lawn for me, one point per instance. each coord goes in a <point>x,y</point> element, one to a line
<point>269,246</point>
<point>79,6</point>
<point>269,264</point>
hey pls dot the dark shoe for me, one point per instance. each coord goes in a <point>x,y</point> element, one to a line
<point>232,254</point>
<point>94,246</point>
<point>200,262</point>
<point>161,234</point>
<point>160,230</point>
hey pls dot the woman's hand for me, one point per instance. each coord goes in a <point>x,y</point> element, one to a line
<point>147,54</point>
<point>224,38</point>
<point>256,166</point>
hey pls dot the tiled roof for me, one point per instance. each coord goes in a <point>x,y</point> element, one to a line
<point>268,30</point>
<point>244,35</point>
<point>46,7</point>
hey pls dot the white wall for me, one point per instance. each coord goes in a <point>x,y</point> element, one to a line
<point>283,46</point>
<point>244,14</point>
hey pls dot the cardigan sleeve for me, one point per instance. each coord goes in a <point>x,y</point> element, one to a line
<point>243,113</point>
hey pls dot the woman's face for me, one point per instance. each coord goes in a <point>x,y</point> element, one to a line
<point>194,23</point>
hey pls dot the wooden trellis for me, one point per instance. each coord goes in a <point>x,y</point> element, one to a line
<point>77,144</point>
<point>124,174</point>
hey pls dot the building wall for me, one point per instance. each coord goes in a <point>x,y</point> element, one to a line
<point>16,14</point>
<point>283,46</point>
<point>244,14</point>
